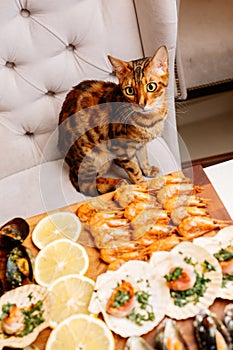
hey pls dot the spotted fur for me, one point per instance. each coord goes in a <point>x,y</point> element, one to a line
<point>101,122</point>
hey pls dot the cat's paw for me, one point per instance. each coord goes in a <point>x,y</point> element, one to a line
<point>151,171</point>
<point>105,185</point>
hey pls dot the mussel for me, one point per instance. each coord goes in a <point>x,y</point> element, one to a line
<point>137,343</point>
<point>13,233</point>
<point>19,266</point>
<point>210,332</point>
<point>168,336</point>
<point>228,319</point>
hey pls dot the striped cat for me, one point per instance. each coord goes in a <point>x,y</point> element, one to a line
<point>101,122</point>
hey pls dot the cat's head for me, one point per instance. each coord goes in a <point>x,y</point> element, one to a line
<point>143,81</point>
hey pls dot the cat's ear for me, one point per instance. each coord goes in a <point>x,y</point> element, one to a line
<point>120,67</point>
<point>159,62</point>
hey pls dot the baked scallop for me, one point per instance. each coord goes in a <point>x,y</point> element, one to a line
<point>221,246</point>
<point>24,314</point>
<point>193,278</point>
<point>131,302</point>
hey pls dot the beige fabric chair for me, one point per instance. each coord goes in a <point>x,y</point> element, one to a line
<point>46,47</point>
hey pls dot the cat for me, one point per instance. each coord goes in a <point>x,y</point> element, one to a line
<point>101,122</point>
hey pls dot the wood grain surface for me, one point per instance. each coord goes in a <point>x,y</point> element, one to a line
<point>96,266</point>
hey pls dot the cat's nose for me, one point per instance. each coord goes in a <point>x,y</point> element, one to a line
<point>142,102</point>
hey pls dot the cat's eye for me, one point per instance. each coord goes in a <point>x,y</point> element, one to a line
<point>151,87</point>
<point>129,91</point>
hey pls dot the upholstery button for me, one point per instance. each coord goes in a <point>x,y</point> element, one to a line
<point>29,133</point>
<point>25,13</point>
<point>10,64</point>
<point>50,93</point>
<point>70,47</point>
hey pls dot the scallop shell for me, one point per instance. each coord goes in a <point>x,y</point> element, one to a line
<point>19,296</point>
<point>222,239</point>
<point>139,274</point>
<point>161,264</point>
<point>225,235</point>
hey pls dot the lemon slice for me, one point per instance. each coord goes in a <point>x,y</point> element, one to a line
<point>60,258</point>
<point>81,332</point>
<point>71,295</point>
<point>55,226</point>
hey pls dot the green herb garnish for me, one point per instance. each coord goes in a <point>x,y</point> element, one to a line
<point>142,297</point>
<point>189,261</point>
<point>5,310</point>
<point>226,278</point>
<point>223,255</point>
<point>181,298</point>
<point>137,317</point>
<point>121,297</point>
<point>174,275</point>
<point>207,266</point>
<point>33,317</point>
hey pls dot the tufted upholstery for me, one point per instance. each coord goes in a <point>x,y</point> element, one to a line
<point>46,47</point>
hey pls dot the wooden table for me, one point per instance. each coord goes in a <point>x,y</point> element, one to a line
<point>96,267</point>
<point>224,188</point>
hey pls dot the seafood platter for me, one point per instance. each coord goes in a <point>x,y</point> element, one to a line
<point>160,255</point>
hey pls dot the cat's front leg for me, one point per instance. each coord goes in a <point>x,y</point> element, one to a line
<point>132,168</point>
<point>147,169</point>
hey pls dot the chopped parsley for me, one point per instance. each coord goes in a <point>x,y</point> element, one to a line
<point>121,297</point>
<point>189,261</point>
<point>33,317</point>
<point>208,267</point>
<point>135,315</point>
<point>226,278</point>
<point>5,310</point>
<point>224,255</point>
<point>174,275</point>
<point>181,298</point>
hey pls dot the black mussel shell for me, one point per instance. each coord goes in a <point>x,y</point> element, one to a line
<point>207,328</point>
<point>19,267</point>
<point>168,332</point>
<point>13,233</point>
<point>228,319</point>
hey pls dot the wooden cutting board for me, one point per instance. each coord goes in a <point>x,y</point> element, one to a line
<point>96,266</point>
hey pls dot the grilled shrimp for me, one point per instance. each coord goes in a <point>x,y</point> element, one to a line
<point>151,216</point>
<point>184,200</point>
<point>125,195</point>
<point>136,208</point>
<point>174,178</point>
<point>85,212</point>
<point>111,236</point>
<point>156,231</point>
<point>111,254</point>
<point>166,243</point>
<point>105,220</point>
<point>194,226</point>
<point>171,190</point>
<point>178,214</point>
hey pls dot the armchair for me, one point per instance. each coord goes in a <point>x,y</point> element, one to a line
<point>45,49</point>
